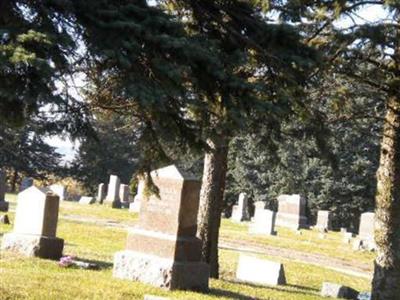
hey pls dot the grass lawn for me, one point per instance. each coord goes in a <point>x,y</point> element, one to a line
<point>32,278</point>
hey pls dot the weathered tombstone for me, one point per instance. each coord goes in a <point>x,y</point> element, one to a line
<point>124,193</point>
<point>291,212</point>
<point>338,291</point>
<point>240,212</point>
<point>324,220</point>
<point>263,222</point>
<point>59,190</point>
<point>366,230</point>
<point>35,226</point>
<point>140,195</point>
<point>260,271</point>
<point>3,187</point>
<point>27,182</point>
<point>113,192</point>
<point>87,200</point>
<point>101,194</point>
<point>163,249</point>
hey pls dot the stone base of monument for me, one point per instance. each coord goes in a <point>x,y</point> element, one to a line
<point>161,272</point>
<point>291,221</point>
<point>3,206</point>
<point>33,245</point>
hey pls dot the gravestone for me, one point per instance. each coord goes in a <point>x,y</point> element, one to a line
<point>113,192</point>
<point>27,182</point>
<point>260,271</point>
<point>263,222</point>
<point>324,220</point>
<point>334,290</point>
<point>3,187</point>
<point>291,212</point>
<point>35,226</point>
<point>366,230</point>
<point>240,212</point>
<point>140,195</point>
<point>163,249</point>
<point>87,200</point>
<point>102,193</point>
<point>124,193</point>
<point>59,190</point>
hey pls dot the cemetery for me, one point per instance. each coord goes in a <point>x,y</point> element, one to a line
<point>172,149</point>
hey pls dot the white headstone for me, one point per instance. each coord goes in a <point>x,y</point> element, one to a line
<point>260,271</point>
<point>324,221</point>
<point>140,195</point>
<point>35,226</point>
<point>59,190</point>
<point>87,200</point>
<point>240,212</point>
<point>113,191</point>
<point>263,222</point>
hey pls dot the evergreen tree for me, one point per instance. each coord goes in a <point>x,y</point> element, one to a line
<point>24,152</point>
<point>111,151</point>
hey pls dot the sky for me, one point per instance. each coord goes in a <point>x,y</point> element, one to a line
<point>68,148</point>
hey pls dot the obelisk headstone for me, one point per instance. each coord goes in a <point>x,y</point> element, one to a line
<point>35,226</point>
<point>291,212</point>
<point>240,212</point>
<point>3,187</point>
<point>163,249</point>
<point>113,192</point>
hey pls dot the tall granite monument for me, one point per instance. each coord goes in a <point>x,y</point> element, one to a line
<point>35,225</point>
<point>291,212</point>
<point>163,249</point>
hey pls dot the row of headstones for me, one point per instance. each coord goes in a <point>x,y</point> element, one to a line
<point>291,214</point>
<point>116,194</point>
<point>163,242</point>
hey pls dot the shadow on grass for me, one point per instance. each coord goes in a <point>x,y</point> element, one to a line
<point>288,288</point>
<point>102,265</point>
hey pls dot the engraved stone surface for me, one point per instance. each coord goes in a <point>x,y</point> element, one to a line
<point>291,212</point>
<point>260,271</point>
<point>162,249</point>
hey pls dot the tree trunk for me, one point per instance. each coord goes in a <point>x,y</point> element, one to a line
<point>14,181</point>
<point>211,201</point>
<point>386,281</point>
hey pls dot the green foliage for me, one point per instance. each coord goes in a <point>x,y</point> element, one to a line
<point>24,152</point>
<point>111,151</point>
